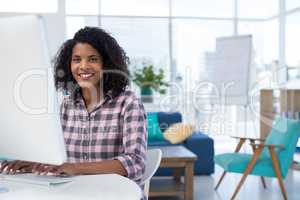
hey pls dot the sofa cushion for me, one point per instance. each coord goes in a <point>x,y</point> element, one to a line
<point>178,132</point>
<point>166,119</point>
<point>154,132</point>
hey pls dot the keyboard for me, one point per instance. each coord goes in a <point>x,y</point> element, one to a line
<point>45,180</point>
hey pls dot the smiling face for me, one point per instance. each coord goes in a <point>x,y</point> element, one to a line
<point>86,66</point>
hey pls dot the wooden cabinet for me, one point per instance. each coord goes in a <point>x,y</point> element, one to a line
<point>276,102</point>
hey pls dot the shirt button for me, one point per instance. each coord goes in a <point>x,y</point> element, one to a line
<point>86,137</point>
<point>85,157</point>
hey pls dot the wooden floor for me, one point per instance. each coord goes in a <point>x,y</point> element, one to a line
<point>252,189</point>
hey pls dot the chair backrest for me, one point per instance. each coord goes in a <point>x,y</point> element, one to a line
<point>153,158</point>
<point>285,132</point>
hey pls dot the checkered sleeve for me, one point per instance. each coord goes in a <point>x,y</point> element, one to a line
<point>63,112</point>
<point>134,140</point>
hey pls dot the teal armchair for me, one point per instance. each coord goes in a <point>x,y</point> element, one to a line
<point>270,158</point>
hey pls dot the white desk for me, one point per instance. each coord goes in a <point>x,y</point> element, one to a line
<point>92,187</point>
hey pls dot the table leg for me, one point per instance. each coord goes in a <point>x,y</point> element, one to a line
<point>177,174</point>
<point>189,181</point>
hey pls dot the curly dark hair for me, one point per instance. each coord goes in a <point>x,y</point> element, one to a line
<point>115,77</point>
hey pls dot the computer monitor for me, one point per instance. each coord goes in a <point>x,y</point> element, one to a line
<point>30,126</point>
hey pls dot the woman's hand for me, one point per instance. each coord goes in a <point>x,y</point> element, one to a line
<point>68,169</point>
<point>16,166</point>
<point>64,169</point>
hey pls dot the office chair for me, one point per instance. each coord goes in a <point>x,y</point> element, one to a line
<point>271,158</point>
<point>153,158</point>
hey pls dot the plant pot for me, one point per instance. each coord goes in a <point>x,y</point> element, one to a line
<point>147,95</point>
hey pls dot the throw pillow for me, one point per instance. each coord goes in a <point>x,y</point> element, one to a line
<point>154,132</point>
<point>178,132</point>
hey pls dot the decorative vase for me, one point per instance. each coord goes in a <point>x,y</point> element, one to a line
<point>147,94</point>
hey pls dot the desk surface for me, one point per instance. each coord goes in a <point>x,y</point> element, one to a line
<point>91,187</point>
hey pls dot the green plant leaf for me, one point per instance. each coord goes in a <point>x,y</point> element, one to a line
<point>146,77</point>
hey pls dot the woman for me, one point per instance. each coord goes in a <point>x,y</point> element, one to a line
<point>104,124</point>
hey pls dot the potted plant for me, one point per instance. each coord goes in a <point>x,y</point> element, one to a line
<point>148,81</point>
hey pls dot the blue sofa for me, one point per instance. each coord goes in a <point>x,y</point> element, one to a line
<point>199,143</point>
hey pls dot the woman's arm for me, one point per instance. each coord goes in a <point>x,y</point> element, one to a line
<point>102,167</point>
<point>134,139</point>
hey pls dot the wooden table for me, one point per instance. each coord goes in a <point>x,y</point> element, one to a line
<point>179,158</point>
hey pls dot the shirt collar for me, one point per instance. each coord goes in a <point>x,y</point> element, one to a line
<point>79,99</point>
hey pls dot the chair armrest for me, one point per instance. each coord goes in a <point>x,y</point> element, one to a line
<point>246,138</point>
<point>242,140</point>
<point>268,145</point>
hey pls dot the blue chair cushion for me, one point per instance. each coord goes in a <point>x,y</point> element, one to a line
<point>237,163</point>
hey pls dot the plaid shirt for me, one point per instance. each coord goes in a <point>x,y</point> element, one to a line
<point>114,129</point>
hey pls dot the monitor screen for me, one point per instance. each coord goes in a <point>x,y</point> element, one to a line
<point>29,121</point>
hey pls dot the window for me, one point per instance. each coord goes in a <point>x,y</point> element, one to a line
<point>291,4</point>
<point>143,39</point>
<point>259,9</point>
<point>28,6</point>
<point>292,45</point>
<point>81,13</point>
<point>265,41</point>
<point>193,40</point>
<point>75,23</point>
<point>82,7</point>
<point>203,8</point>
<point>293,40</point>
<point>193,43</point>
<point>142,28</point>
<point>135,7</point>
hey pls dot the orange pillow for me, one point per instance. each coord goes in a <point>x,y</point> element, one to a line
<point>178,132</point>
